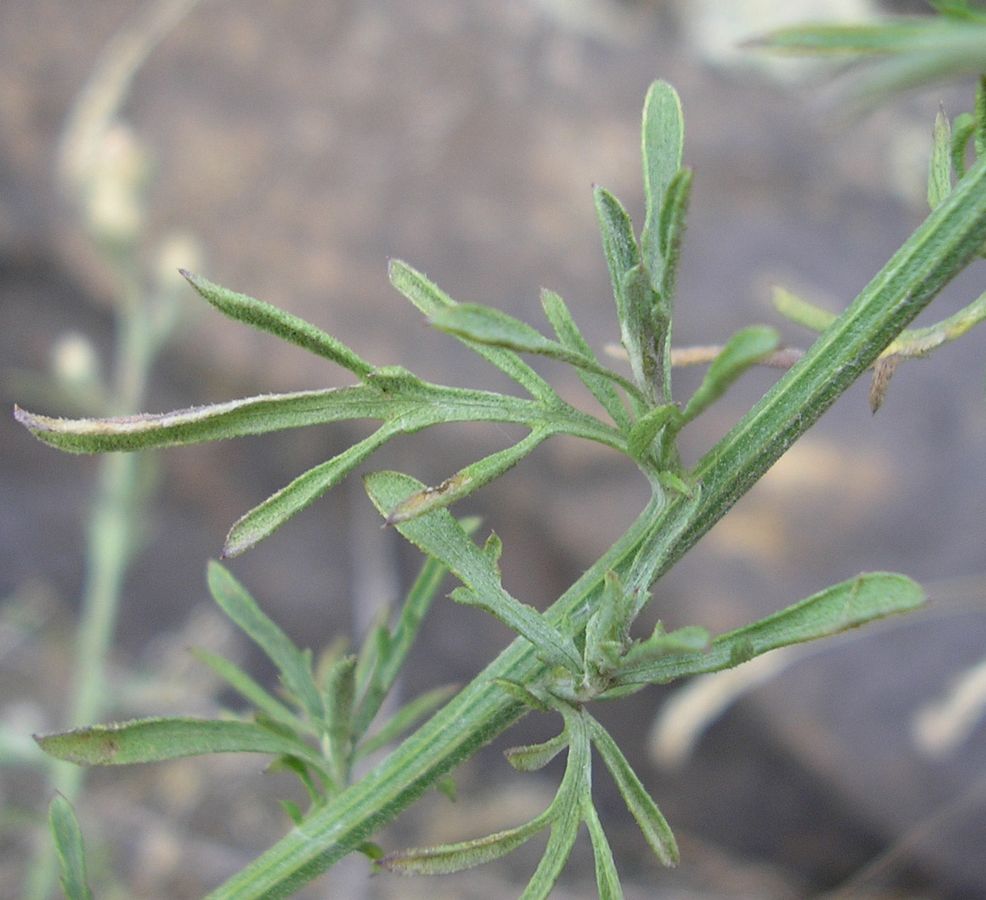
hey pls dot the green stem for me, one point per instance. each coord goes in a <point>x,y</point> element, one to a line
<point>111,537</point>
<point>937,251</point>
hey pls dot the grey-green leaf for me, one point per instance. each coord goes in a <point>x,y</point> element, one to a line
<point>157,739</point>
<point>744,349</point>
<point>570,336</point>
<point>940,164</point>
<point>448,858</point>
<point>662,139</point>
<point>439,535</point>
<point>607,879</point>
<point>619,246</point>
<point>466,480</point>
<point>215,422</point>
<point>67,838</point>
<point>244,685</point>
<point>532,757</point>
<point>266,317</point>
<point>293,665</point>
<point>484,325</point>
<point>265,518</point>
<point>430,299</point>
<point>652,824</point>
<point>846,605</point>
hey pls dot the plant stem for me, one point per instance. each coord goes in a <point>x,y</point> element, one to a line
<point>937,251</point>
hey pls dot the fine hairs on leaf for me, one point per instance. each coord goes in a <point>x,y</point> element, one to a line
<point>324,718</point>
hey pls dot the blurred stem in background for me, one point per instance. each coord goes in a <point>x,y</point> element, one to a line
<point>103,167</point>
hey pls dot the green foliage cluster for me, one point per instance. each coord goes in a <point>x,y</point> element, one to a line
<point>581,650</point>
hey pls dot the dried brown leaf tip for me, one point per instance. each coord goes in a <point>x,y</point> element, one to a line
<point>883,371</point>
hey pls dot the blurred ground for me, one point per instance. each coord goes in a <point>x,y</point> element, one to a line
<point>304,143</point>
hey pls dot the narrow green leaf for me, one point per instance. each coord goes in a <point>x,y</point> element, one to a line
<point>564,831</point>
<point>293,665</point>
<point>963,129</point>
<point>744,349</point>
<point>406,718</point>
<point>647,326</point>
<point>439,535</point>
<point>800,311</point>
<point>607,879</point>
<point>644,431</point>
<point>571,337</point>
<point>849,604</point>
<point>247,688</point>
<point>448,858</point>
<point>416,605</point>
<point>215,422</point>
<point>265,518</point>
<point>940,164</point>
<point>430,299</point>
<point>532,757</point>
<point>466,481</point>
<point>266,317</point>
<point>662,140</point>
<point>157,739</point>
<point>340,690</point>
<point>631,285</point>
<point>71,852</point>
<point>373,653</point>
<point>552,646</point>
<point>672,233</point>
<point>484,325</point>
<point>652,824</point>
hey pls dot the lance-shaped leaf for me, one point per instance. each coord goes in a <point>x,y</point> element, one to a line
<point>485,325</point>
<point>466,480</point>
<point>416,605</point>
<point>649,325</point>
<point>662,142</point>
<point>900,53</point>
<point>293,665</point>
<point>800,311</point>
<point>652,824</point>
<point>340,689</point>
<point>247,688</point>
<point>265,518</point>
<point>940,164</point>
<point>963,129</point>
<point>849,604</point>
<point>157,739</point>
<point>575,787</point>
<point>672,233</point>
<point>67,838</point>
<point>607,879</point>
<point>631,285</point>
<point>980,116</point>
<point>532,757</point>
<point>215,422</point>
<point>266,317</point>
<point>439,535</point>
<point>571,337</point>
<point>430,299</point>
<point>744,349</point>
<point>448,858</point>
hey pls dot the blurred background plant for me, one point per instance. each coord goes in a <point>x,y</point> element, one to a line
<point>295,104</point>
